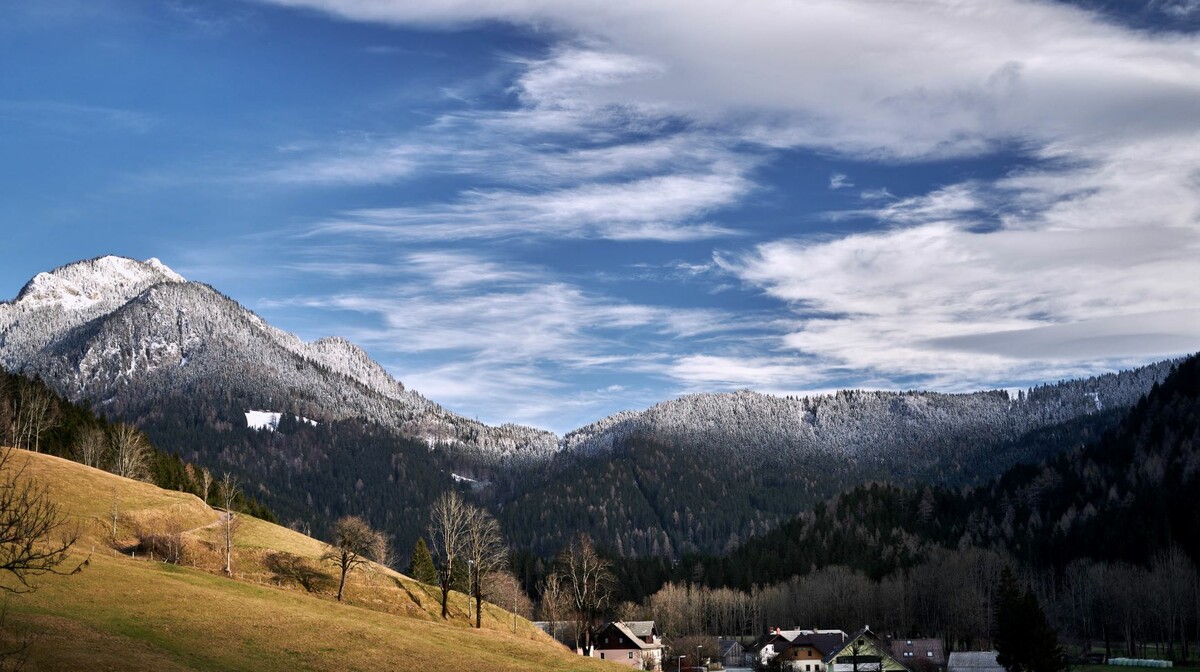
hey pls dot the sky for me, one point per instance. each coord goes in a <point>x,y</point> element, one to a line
<point>545,212</point>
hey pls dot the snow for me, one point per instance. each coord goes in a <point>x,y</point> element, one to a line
<point>462,479</point>
<point>268,420</point>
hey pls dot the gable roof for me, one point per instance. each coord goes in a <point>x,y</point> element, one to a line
<point>875,643</point>
<point>822,640</point>
<point>641,628</point>
<point>920,649</point>
<point>634,639</point>
<point>728,646</point>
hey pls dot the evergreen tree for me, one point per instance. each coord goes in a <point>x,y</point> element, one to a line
<point>1024,641</point>
<point>421,567</point>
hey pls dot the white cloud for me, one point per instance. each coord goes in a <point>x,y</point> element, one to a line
<point>840,181</point>
<point>1088,266</point>
<point>912,79</point>
<point>510,341</point>
<point>654,208</point>
<point>1084,261</point>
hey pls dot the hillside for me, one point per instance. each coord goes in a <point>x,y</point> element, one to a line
<point>122,612</point>
<point>747,462</point>
<point>1125,496</point>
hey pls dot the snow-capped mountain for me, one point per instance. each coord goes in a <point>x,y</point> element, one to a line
<point>859,424</point>
<point>117,330</point>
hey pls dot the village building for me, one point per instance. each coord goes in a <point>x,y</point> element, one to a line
<point>732,653</point>
<point>863,651</point>
<point>633,643</point>
<point>799,650</point>
<point>920,655</point>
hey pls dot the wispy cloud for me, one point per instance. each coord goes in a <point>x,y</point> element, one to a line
<point>666,208</point>
<point>1079,273</point>
<point>471,331</point>
<point>1081,262</point>
<point>72,117</point>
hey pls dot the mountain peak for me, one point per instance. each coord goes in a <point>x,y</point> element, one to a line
<point>86,284</point>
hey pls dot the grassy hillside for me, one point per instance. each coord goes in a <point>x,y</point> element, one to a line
<point>124,612</point>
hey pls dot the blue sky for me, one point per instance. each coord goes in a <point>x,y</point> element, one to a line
<point>544,212</point>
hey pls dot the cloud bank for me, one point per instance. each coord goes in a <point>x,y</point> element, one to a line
<point>1084,259</point>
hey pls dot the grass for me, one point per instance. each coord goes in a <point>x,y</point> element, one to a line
<point>123,613</point>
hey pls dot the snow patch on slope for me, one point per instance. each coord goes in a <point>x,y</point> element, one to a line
<point>268,420</point>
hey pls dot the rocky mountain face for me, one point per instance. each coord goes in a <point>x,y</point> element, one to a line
<point>123,333</point>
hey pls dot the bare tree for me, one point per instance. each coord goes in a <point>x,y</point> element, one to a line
<point>484,551</point>
<point>588,580</point>
<point>354,544</point>
<point>206,482</point>
<point>34,536</point>
<point>227,492</point>
<point>556,604</point>
<point>130,452</point>
<point>504,589</point>
<point>448,532</point>
<point>114,513</point>
<point>92,448</point>
<point>37,414</point>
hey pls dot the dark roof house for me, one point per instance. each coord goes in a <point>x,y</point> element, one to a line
<point>912,651</point>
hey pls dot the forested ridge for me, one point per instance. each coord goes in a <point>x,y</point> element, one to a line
<point>1125,496</point>
<point>34,417</point>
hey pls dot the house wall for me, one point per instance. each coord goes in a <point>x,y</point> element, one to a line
<point>802,659</point>
<point>631,657</point>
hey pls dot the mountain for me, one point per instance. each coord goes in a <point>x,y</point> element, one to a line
<point>1127,496</point>
<point>123,334</point>
<point>704,472</point>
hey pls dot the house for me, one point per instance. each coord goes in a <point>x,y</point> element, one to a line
<point>973,661</point>
<point>862,652</point>
<point>632,643</point>
<point>731,652</point>
<point>801,650</point>
<point>919,654</point>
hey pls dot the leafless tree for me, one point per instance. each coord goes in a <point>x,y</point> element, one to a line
<point>206,482</point>
<point>130,452</point>
<point>588,580</point>
<point>504,589</point>
<point>354,544</point>
<point>37,414</point>
<point>92,448</point>
<point>555,605</point>
<point>227,492</point>
<point>485,553</point>
<point>114,512</point>
<point>448,523</point>
<point>35,538</point>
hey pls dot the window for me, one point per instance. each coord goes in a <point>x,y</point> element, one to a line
<point>630,654</point>
<point>601,655</point>
<point>929,654</point>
